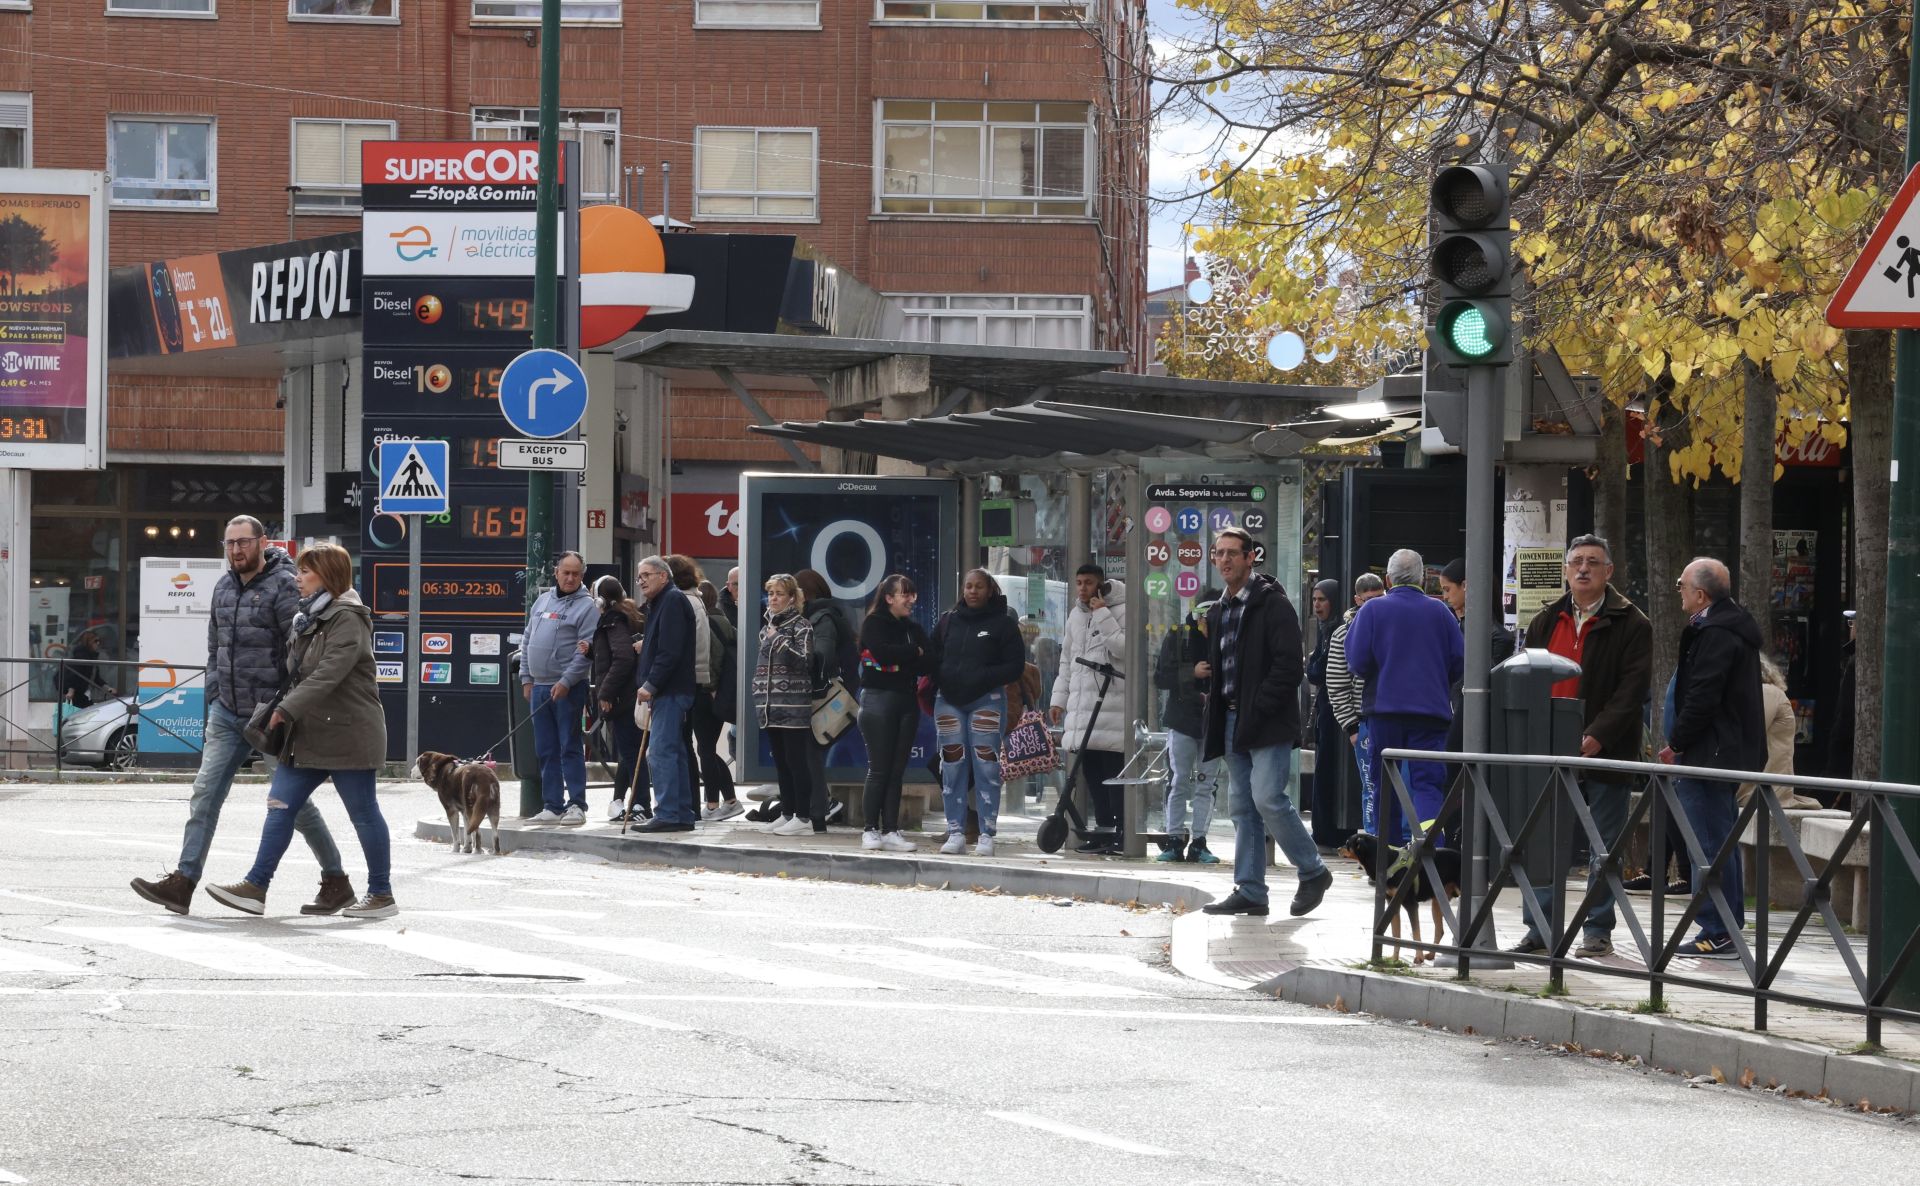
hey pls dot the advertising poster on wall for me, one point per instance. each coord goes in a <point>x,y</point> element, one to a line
<point>176,599</point>
<point>52,318</point>
<point>853,531</point>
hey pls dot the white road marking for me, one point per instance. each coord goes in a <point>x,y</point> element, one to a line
<point>622,1015</point>
<point>217,952</point>
<point>744,966</point>
<point>1080,1134</point>
<point>13,959</point>
<point>940,944</point>
<point>899,959</point>
<point>825,924</point>
<point>7,1177</point>
<point>69,905</point>
<point>1107,964</point>
<point>478,957</point>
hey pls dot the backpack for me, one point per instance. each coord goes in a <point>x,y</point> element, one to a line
<point>726,681</point>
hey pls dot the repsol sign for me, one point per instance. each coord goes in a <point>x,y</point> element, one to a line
<point>319,284</point>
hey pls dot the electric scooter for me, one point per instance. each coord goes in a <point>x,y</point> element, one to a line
<point>1053,829</point>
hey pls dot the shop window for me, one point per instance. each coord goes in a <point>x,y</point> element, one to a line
<point>600,12</point>
<point>984,159</point>
<point>757,14</point>
<point>326,162</point>
<point>756,173</point>
<point>1048,11</point>
<point>597,133</point>
<point>1055,322</point>
<point>344,10</point>
<point>164,162</point>
<point>76,586</point>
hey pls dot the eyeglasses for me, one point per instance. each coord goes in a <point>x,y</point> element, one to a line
<point>245,541</point>
<point>1587,562</point>
<point>1227,552</point>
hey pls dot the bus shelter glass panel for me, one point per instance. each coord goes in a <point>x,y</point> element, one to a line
<point>1024,532</point>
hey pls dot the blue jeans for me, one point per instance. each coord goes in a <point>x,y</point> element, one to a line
<point>221,753</point>
<point>561,747</point>
<point>669,764</point>
<point>1609,803</point>
<point>1257,799</point>
<point>1711,808</point>
<point>292,792</point>
<point>1426,781</point>
<point>970,743</point>
<point>1190,781</point>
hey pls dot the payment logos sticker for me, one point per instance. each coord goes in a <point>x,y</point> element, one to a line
<point>390,673</point>
<point>436,673</point>
<point>480,674</point>
<point>436,644</point>
<point>483,644</point>
<point>389,642</point>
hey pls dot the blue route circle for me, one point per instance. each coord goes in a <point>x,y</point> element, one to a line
<point>543,393</point>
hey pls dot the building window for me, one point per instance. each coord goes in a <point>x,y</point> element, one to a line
<point>16,130</point>
<point>161,161</point>
<point>993,159</point>
<point>602,12</point>
<point>161,7</point>
<point>1064,11</point>
<point>326,162</point>
<point>757,14</point>
<point>597,133</point>
<point>1056,322</point>
<point>344,10</point>
<point>759,173</point>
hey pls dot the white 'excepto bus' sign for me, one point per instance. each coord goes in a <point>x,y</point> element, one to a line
<point>555,455</point>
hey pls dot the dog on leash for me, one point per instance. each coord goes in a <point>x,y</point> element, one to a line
<point>469,792</point>
<point>1364,848</point>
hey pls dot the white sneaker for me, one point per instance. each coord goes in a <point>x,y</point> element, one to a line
<point>615,810</point>
<point>870,839</point>
<point>771,826</point>
<point>955,845</point>
<point>709,813</point>
<point>984,848</point>
<point>895,842</point>
<point>793,825</point>
<point>728,809</point>
<point>545,817</point>
<point>573,817</point>
<point>763,793</point>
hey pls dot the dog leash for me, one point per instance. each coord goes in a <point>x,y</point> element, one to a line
<point>486,755</point>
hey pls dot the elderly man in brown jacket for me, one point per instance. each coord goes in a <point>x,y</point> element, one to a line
<point>1612,641</point>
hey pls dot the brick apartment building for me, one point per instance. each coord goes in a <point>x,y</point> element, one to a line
<point>977,160</point>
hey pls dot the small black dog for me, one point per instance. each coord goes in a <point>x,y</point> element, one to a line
<point>1364,848</point>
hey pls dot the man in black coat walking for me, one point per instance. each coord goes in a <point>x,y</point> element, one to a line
<point>1718,721</point>
<point>1253,670</point>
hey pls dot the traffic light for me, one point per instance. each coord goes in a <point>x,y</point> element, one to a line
<point>1470,243</point>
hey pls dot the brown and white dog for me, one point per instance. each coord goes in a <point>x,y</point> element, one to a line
<point>469,792</point>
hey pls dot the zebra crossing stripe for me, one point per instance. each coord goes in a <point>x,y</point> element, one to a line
<point>479,957</point>
<point>900,959</point>
<point>744,966</point>
<point>218,952</point>
<point>623,1015</point>
<point>12,959</point>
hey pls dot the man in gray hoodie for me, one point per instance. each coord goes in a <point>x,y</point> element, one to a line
<point>253,609</point>
<point>553,677</point>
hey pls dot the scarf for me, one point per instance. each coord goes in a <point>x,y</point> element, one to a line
<point>310,609</point>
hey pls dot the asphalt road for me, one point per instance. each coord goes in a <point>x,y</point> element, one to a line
<point>554,1020</point>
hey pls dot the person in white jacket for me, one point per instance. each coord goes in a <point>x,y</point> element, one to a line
<point>1096,632</point>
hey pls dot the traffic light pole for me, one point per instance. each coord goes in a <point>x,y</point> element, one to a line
<point>1896,902</point>
<point>1486,441</point>
<point>546,320</point>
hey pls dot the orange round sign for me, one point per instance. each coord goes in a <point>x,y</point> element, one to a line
<point>623,274</point>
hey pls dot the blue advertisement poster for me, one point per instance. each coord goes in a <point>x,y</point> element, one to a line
<point>854,531</point>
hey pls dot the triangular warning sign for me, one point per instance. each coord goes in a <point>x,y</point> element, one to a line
<point>412,480</point>
<point>1882,289</point>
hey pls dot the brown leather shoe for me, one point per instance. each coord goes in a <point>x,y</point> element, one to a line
<point>173,891</point>
<point>336,893</point>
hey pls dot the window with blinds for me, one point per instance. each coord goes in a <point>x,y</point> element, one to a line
<point>326,162</point>
<point>1026,11</point>
<point>756,14</point>
<point>161,7</point>
<point>344,10</point>
<point>597,132</point>
<point>16,130</point>
<point>984,159</point>
<point>1056,322</point>
<point>599,12</point>
<point>762,174</point>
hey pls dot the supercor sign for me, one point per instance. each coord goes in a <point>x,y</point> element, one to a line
<point>414,174</point>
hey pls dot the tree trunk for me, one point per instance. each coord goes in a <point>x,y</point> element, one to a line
<point>1758,431</point>
<point>1610,479</point>
<point>1669,521</point>
<point>1870,436</point>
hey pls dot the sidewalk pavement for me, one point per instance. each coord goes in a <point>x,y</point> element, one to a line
<point>1322,959</point>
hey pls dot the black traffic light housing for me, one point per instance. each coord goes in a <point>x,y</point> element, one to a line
<point>1470,254</point>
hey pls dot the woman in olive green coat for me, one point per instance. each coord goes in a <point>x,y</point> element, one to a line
<point>329,724</point>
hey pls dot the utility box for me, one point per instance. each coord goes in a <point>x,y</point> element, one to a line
<point>1528,718</point>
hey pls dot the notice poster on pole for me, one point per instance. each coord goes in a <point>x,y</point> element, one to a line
<point>1539,580</point>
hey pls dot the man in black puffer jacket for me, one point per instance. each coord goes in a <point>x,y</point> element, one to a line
<point>1718,721</point>
<point>253,609</point>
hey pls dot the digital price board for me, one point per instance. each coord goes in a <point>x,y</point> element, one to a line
<point>452,589</point>
<point>473,447</point>
<point>465,311</point>
<point>482,522</point>
<point>445,382</point>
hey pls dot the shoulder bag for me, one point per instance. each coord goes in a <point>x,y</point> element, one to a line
<point>834,712</point>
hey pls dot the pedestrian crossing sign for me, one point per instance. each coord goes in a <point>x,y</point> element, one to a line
<point>1882,289</point>
<point>413,478</point>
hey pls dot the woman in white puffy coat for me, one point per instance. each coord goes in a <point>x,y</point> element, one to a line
<point>1096,632</point>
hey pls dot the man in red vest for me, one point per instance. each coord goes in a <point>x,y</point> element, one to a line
<point>1597,627</point>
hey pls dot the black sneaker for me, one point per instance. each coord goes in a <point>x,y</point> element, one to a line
<point>1097,841</point>
<point>1233,903</point>
<point>1704,948</point>
<point>836,811</point>
<point>1642,884</point>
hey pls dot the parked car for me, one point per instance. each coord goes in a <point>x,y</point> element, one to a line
<point>104,734</point>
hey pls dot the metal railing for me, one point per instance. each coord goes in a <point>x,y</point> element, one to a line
<point>1553,784</point>
<point>102,687</point>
